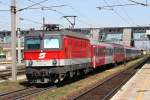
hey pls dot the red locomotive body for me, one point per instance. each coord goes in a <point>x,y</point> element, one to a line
<point>54,55</point>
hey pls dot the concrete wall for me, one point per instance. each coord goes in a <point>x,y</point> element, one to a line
<point>127,36</point>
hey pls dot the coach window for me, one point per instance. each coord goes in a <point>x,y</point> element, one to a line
<point>97,52</point>
<point>100,51</point>
<point>115,50</point>
<point>106,51</point>
<point>94,51</point>
<point>110,52</point>
<point>103,52</point>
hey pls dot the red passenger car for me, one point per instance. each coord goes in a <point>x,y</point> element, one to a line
<point>102,54</point>
<point>119,53</point>
<point>97,55</point>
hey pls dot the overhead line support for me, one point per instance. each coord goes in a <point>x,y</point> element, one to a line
<point>13,39</point>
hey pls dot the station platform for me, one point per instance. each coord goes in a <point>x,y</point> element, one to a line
<point>138,87</point>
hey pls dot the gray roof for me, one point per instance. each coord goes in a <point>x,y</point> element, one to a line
<point>60,32</point>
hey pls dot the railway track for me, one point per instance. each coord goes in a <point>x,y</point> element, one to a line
<point>106,89</point>
<point>23,93</point>
<point>7,73</point>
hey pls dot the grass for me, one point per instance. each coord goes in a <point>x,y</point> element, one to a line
<point>10,86</point>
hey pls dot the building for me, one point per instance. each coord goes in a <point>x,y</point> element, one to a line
<point>130,36</point>
<point>138,37</point>
<point>5,42</point>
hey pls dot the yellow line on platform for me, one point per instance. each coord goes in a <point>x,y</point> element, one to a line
<point>141,93</point>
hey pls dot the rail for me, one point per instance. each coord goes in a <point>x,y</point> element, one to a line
<point>107,88</point>
<point>23,93</point>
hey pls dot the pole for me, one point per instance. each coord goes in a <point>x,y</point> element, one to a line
<point>146,3</point>
<point>43,23</point>
<point>13,38</point>
<point>74,21</point>
<point>19,46</point>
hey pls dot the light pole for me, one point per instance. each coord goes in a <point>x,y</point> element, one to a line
<point>19,45</point>
<point>43,23</point>
<point>13,38</point>
<point>13,33</point>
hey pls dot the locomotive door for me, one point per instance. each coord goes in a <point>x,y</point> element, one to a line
<point>95,51</point>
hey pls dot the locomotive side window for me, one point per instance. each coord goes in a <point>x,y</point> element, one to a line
<point>51,43</point>
<point>32,43</point>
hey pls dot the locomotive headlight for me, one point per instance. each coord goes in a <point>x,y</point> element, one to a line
<point>54,62</point>
<point>30,63</point>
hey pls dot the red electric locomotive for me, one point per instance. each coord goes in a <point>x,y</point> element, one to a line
<point>50,56</point>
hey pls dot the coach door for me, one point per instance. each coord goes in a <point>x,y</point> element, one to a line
<point>108,55</point>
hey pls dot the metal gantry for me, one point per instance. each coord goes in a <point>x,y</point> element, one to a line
<point>72,23</point>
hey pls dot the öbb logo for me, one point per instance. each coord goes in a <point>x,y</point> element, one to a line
<point>42,55</point>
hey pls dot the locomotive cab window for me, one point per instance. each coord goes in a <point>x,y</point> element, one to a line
<point>51,43</point>
<point>32,43</point>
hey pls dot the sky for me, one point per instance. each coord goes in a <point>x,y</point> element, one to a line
<point>85,10</point>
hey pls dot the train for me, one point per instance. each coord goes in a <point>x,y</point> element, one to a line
<point>54,55</point>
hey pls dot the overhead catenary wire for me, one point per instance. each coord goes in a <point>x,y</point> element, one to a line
<point>118,14</point>
<point>4,10</point>
<point>48,8</point>
<point>41,8</point>
<point>30,20</point>
<point>125,12</point>
<point>32,5</point>
<point>82,15</point>
<point>140,3</point>
<point>118,5</point>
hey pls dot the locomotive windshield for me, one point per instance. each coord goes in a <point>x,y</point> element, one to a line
<point>51,43</point>
<point>47,42</point>
<point>32,43</point>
